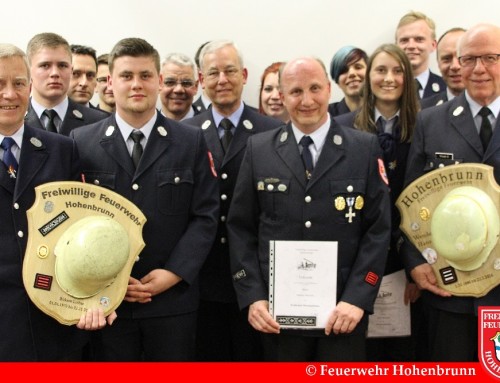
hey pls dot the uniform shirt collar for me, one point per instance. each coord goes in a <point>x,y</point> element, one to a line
<point>423,78</point>
<point>318,136</point>
<point>126,129</point>
<point>234,118</point>
<point>475,107</point>
<point>60,108</point>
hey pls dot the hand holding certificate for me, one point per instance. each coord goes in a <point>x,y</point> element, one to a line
<point>302,283</point>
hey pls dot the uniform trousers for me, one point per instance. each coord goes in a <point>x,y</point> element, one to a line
<point>224,334</point>
<point>167,338</point>
<point>301,346</point>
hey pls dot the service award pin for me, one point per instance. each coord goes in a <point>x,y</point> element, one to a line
<point>283,136</point>
<point>110,130</point>
<point>337,140</point>
<point>206,124</point>
<point>339,203</point>
<point>359,203</point>
<point>435,87</point>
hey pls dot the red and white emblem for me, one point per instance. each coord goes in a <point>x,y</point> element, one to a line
<point>382,172</point>
<point>489,339</point>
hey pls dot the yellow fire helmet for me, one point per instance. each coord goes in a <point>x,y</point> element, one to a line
<point>89,255</point>
<point>465,227</point>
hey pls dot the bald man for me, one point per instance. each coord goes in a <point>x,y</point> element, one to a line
<point>279,197</point>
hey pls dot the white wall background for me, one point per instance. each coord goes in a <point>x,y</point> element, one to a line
<point>265,30</point>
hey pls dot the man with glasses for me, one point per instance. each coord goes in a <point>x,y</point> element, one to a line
<point>106,96</point>
<point>224,333</point>
<point>179,87</point>
<point>465,129</point>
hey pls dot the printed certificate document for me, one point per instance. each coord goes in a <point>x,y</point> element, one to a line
<point>391,317</point>
<point>302,283</point>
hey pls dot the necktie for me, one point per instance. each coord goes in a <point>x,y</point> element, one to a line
<point>381,122</point>
<point>485,130</point>
<point>51,124</point>
<point>305,141</point>
<point>8,157</point>
<point>136,136</point>
<point>418,86</point>
<point>227,125</point>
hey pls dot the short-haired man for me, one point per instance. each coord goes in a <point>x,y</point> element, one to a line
<point>163,167</point>
<point>106,97</point>
<point>416,35</point>
<point>180,85</point>
<point>280,197</point>
<point>49,55</point>
<point>83,79</point>
<point>223,331</point>
<point>29,157</point>
<point>449,67</point>
<point>467,129</point>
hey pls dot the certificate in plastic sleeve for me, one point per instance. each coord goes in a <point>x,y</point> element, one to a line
<point>391,316</point>
<point>302,283</point>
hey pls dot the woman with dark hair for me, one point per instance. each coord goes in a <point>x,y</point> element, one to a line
<point>348,69</point>
<point>389,107</point>
<point>270,103</point>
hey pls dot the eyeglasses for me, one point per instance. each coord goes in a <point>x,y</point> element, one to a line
<point>214,74</point>
<point>186,84</point>
<point>470,61</point>
<point>101,80</point>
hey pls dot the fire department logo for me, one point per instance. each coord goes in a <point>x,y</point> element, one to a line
<point>489,339</point>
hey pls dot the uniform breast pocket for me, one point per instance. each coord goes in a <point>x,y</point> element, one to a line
<point>439,162</point>
<point>348,200</point>
<point>274,197</point>
<point>103,179</point>
<point>175,188</point>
